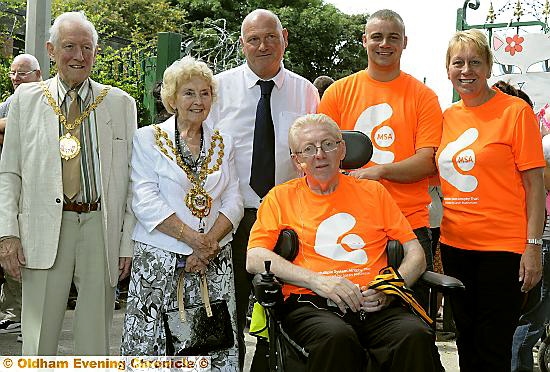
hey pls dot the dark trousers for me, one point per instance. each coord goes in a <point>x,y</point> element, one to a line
<point>394,339</point>
<point>422,293</point>
<point>243,280</point>
<point>487,312</point>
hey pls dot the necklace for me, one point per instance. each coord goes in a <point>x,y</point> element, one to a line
<point>197,199</point>
<point>195,163</point>
<point>69,145</point>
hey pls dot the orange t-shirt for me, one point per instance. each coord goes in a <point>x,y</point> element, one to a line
<point>400,117</point>
<point>338,235</point>
<point>483,151</point>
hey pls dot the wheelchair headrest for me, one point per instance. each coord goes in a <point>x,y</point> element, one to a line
<point>358,149</point>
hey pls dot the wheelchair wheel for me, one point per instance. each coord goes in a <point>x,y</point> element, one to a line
<point>544,354</point>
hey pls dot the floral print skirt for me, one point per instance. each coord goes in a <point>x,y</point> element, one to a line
<point>152,291</point>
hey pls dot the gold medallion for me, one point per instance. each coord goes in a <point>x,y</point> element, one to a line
<point>198,201</point>
<point>69,146</point>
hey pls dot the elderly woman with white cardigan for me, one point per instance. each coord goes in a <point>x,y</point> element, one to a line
<point>187,203</point>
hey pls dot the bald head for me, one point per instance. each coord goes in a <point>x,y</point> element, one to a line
<point>24,69</point>
<point>263,41</point>
<point>254,15</point>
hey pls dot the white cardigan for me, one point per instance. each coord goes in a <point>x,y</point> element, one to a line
<point>159,187</point>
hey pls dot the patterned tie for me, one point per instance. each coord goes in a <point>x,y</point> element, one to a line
<point>71,167</point>
<point>262,173</point>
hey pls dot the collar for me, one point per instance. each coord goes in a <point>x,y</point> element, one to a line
<point>63,88</point>
<point>251,78</point>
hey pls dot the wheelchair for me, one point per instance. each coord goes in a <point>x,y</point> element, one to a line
<point>284,353</point>
<point>544,350</point>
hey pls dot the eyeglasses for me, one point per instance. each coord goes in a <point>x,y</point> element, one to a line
<point>22,74</point>
<point>326,146</point>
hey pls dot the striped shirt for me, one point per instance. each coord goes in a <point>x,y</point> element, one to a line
<point>90,176</point>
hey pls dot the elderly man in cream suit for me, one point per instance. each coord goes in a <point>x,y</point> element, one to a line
<point>64,194</point>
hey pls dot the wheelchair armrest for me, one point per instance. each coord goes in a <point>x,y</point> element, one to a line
<point>440,282</point>
<point>267,289</point>
<point>287,244</point>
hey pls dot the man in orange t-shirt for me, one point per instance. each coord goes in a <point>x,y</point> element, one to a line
<point>401,116</point>
<point>343,225</point>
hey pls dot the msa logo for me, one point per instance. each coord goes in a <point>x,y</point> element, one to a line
<point>382,137</point>
<point>465,161</point>
<point>331,240</point>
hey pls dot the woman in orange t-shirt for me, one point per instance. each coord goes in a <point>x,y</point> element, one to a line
<point>490,164</point>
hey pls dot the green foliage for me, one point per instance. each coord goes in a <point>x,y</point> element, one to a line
<point>125,68</point>
<point>136,20</point>
<point>6,87</point>
<point>322,40</point>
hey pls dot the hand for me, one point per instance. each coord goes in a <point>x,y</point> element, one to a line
<point>12,257</point>
<point>195,265</point>
<point>204,246</point>
<point>210,250</point>
<point>2,129</point>
<point>374,300</point>
<point>341,291</point>
<point>530,267</point>
<point>372,173</point>
<point>124,266</point>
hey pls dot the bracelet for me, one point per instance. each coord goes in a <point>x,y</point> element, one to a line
<point>534,241</point>
<point>180,233</point>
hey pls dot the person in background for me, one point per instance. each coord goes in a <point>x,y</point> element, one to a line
<point>401,116</point>
<point>182,159</point>
<point>322,83</point>
<point>257,103</point>
<point>490,165</point>
<point>24,69</point>
<point>64,201</point>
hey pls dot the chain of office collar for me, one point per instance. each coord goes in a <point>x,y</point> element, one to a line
<point>82,117</point>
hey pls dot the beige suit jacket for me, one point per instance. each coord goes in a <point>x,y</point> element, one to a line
<point>31,190</point>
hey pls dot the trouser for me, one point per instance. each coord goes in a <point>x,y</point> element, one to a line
<point>80,258</point>
<point>487,312</point>
<point>535,314</point>
<point>10,300</point>
<point>243,280</point>
<point>394,338</point>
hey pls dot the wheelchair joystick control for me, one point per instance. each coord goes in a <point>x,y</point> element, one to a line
<point>267,288</point>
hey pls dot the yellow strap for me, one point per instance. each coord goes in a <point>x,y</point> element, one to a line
<point>391,283</point>
<point>205,296</point>
<point>181,296</point>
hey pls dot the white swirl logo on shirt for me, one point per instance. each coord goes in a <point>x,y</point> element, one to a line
<point>329,232</point>
<point>381,137</point>
<point>456,153</point>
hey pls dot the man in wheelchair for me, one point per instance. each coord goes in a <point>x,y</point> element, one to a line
<point>343,225</point>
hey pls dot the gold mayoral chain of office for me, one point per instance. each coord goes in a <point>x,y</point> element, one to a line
<point>197,199</point>
<point>69,145</point>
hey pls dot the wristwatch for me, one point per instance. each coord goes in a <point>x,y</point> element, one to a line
<point>534,241</point>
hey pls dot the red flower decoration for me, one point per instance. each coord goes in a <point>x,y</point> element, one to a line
<point>514,44</point>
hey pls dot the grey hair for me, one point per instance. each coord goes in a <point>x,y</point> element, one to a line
<point>257,12</point>
<point>27,57</point>
<point>79,17</point>
<point>308,120</point>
